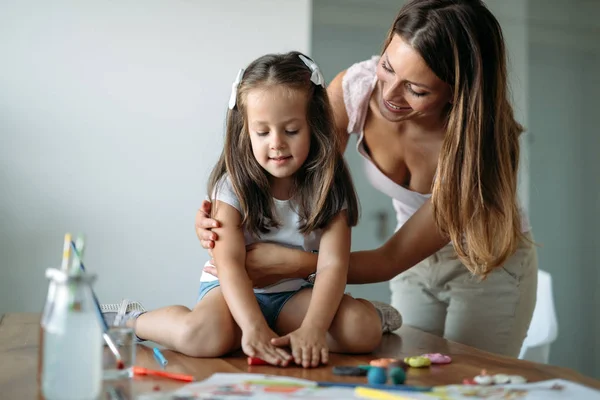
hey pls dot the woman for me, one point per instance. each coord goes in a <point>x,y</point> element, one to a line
<point>438,136</point>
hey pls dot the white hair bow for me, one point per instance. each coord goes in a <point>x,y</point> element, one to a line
<point>234,88</point>
<point>317,76</point>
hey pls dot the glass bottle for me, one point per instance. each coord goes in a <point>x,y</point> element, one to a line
<point>70,362</point>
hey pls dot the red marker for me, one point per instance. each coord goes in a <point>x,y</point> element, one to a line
<point>260,361</point>
<point>257,361</point>
<point>164,374</point>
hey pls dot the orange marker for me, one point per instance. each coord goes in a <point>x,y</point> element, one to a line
<point>164,374</point>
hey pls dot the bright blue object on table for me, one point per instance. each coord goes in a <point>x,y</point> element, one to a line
<point>159,357</point>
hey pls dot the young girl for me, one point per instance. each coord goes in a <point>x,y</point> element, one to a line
<point>281,179</point>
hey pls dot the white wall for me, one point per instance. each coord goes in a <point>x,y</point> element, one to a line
<point>565,184</point>
<point>111,117</point>
<point>512,16</point>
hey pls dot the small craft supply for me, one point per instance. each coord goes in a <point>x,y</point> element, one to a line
<point>114,350</point>
<point>140,371</point>
<point>121,313</point>
<point>382,362</point>
<point>66,252</point>
<point>438,358</point>
<point>500,379</point>
<point>377,375</point>
<point>349,371</point>
<point>393,388</point>
<point>257,361</point>
<point>399,364</point>
<point>397,375</point>
<point>159,357</point>
<point>369,393</point>
<point>483,378</point>
<point>109,342</point>
<point>418,361</point>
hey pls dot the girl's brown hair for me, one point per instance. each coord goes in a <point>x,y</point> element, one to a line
<point>475,191</point>
<point>323,186</point>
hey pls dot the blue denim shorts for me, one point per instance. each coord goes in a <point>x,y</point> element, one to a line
<point>270,304</point>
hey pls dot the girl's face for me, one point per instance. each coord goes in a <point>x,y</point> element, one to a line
<point>407,84</point>
<point>279,131</point>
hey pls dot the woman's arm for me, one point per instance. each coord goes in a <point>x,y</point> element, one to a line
<point>332,269</point>
<point>418,238</point>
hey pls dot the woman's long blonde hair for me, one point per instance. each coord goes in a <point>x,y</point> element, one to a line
<point>475,191</point>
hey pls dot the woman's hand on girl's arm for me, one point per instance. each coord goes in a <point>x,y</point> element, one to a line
<point>230,252</point>
<point>418,238</point>
<point>268,263</point>
<point>204,224</point>
<point>308,342</point>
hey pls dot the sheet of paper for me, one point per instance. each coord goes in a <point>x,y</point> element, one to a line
<point>232,386</point>
<point>545,390</point>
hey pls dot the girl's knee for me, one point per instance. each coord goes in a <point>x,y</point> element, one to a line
<point>206,337</point>
<point>357,326</point>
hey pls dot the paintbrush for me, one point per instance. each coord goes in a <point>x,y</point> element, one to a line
<point>109,341</point>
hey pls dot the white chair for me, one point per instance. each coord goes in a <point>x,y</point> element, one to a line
<point>544,326</point>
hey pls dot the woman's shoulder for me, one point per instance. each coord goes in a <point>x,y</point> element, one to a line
<point>362,70</point>
<point>357,85</point>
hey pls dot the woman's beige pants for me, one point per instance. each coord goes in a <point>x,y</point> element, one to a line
<point>440,296</point>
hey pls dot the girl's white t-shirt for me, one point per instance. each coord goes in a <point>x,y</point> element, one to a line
<point>286,235</point>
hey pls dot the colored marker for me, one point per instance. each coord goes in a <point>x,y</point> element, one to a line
<point>260,361</point>
<point>368,393</point>
<point>158,356</point>
<point>111,344</point>
<point>257,361</point>
<point>406,388</point>
<point>164,374</point>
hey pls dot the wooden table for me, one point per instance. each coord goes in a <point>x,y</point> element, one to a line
<point>19,351</point>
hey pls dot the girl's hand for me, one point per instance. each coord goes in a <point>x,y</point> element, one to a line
<point>309,346</point>
<point>256,342</point>
<point>204,224</point>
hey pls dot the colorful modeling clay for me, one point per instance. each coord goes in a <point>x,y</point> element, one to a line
<point>382,362</point>
<point>418,361</point>
<point>377,376</point>
<point>397,375</point>
<point>438,358</point>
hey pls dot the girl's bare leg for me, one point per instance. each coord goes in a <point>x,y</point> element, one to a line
<point>208,330</point>
<point>356,327</point>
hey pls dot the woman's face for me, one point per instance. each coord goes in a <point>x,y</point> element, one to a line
<point>407,84</point>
